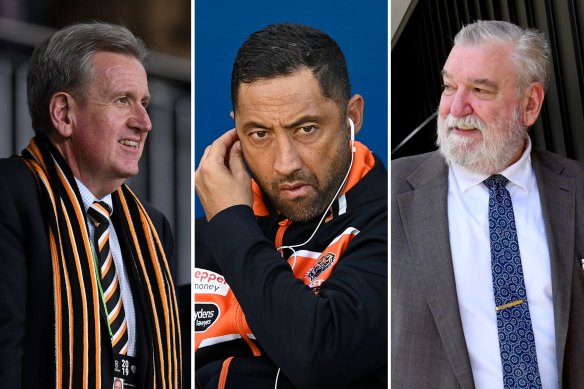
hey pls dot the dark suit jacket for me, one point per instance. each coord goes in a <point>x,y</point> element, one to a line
<point>26,287</point>
<point>428,348</point>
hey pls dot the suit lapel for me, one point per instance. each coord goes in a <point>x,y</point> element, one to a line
<point>558,200</point>
<point>424,212</point>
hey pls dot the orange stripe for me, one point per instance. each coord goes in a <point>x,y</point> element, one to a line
<point>363,162</point>
<point>252,346</point>
<point>241,325</point>
<point>174,327</point>
<point>224,370</point>
<point>170,317</point>
<point>57,288</point>
<point>177,349</point>
<point>94,289</point>
<point>108,265</point>
<point>104,241</point>
<point>82,287</point>
<point>81,222</point>
<point>160,283</point>
<point>37,153</point>
<point>45,181</point>
<point>35,168</point>
<point>162,292</point>
<point>164,272</point>
<point>284,224</point>
<point>96,335</point>
<point>103,210</point>
<point>146,279</point>
<point>58,309</point>
<point>70,310</point>
<point>112,290</point>
<point>120,334</point>
<point>112,319</point>
<point>259,207</point>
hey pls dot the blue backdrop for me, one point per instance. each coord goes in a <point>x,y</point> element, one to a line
<point>360,29</point>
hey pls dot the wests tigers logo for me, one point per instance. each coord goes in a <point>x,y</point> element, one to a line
<point>322,264</point>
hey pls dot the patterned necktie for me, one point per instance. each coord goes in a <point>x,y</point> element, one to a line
<point>516,340</point>
<point>100,214</point>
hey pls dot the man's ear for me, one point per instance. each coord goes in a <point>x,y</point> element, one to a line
<point>355,111</point>
<point>532,103</point>
<point>61,109</point>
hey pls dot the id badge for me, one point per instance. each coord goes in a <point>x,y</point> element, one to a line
<point>125,372</point>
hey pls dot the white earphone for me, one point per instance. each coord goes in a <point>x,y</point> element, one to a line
<point>353,150</point>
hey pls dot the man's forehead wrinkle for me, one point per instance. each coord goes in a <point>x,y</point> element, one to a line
<point>471,80</point>
<point>485,81</point>
<point>277,106</point>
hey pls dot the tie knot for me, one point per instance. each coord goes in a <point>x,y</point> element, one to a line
<point>100,212</point>
<point>496,181</point>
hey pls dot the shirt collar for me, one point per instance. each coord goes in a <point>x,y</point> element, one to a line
<point>88,197</point>
<point>519,173</point>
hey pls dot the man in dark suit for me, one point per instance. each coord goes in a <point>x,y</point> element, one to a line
<point>86,293</point>
<point>487,285</point>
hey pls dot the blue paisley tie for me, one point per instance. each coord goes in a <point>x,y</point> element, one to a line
<point>516,340</point>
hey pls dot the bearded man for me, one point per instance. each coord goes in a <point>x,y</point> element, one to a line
<point>291,267</point>
<point>486,244</point>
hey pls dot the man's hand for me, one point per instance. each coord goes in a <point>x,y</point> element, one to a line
<point>222,180</point>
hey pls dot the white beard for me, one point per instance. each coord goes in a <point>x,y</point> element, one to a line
<point>500,144</point>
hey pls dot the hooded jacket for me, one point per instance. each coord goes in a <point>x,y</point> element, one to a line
<point>315,316</point>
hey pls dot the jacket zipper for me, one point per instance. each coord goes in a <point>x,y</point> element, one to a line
<point>284,224</point>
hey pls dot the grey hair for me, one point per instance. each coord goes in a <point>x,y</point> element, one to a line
<point>531,52</point>
<point>64,63</point>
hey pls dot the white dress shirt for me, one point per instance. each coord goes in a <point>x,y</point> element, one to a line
<point>125,288</point>
<point>468,200</point>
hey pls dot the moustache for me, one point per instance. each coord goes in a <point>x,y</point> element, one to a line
<point>466,123</point>
<point>294,178</point>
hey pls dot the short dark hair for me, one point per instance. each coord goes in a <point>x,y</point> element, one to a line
<point>64,63</point>
<point>284,48</point>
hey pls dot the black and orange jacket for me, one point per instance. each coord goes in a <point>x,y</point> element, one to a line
<point>320,317</point>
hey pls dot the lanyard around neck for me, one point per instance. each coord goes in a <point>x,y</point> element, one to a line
<point>98,277</point>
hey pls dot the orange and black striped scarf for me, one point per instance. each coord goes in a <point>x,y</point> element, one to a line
<point>76,297</point>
